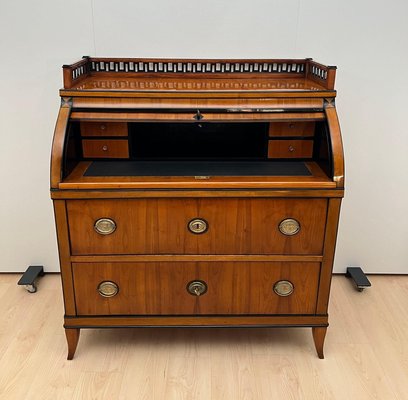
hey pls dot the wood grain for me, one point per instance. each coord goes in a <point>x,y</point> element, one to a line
<point>290,148</point>
<point>152,255</point>
<point>293,128</point>
<point>365,352</point>
<point>57,150</point>
<point>317,180</point>
<point>161,288</point>
<point>159,226</point>
<point>103,128</point>
<point>105,148</point>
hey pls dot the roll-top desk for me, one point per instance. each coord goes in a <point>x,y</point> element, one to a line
<point>196,193</point>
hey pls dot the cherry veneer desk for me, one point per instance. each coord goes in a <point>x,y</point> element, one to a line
<point>197,193</point>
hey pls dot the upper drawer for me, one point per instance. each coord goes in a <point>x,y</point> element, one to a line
<point>166,226</point>
<point>104,128</point>
<point>293,128</point>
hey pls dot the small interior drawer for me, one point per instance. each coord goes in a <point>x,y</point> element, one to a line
<point>294,128</point>
<point>105,148</point>
<point>290,148</point>
<point>104,128</point>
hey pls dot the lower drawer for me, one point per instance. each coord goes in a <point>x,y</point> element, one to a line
<point>162,288</point>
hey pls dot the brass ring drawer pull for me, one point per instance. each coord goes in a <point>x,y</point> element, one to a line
<point>105,226</point>
<point>197,226</point>
<point>108,289</point>
<point>283,288</point>
<point>289,226</point>
<point>197,288</point>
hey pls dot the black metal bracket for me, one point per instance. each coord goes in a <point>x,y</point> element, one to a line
<point>359,277</point>
<point>30,276</point>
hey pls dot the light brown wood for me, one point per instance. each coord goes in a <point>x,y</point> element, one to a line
<point>105,148</point>
<point>317,180</point>
<point>189,116</point>
<point>365,352</point>
<point>293,128</point>
<point>195,257</point>
<point>235,226</point>
<point>134,194</point>
<point>333,214</point>
<point>72,335</point>
<point>196,103</point>
<point>152,254</point>
<point>64,251</point>
<point>319,333</point>
<point>290,148</point>
<point>103,128</point>
<point>57,150</point>
<point>227,284</point>
<point>197,321</point>
<point>337,146</point>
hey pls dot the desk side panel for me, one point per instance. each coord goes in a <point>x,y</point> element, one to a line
<point>61,223</point>
<point>58,142</point>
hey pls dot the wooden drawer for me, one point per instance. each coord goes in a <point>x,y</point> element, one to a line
<point>161,226</point>
<point>104,128</point>
<point>161,288</point>
<point>105,148</point>
<point>290,148</point>
<point>296,128</point>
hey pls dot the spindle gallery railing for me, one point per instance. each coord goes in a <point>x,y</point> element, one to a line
<point>304,68</point>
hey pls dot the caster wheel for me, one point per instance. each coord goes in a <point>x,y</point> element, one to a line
<point>31,288</point>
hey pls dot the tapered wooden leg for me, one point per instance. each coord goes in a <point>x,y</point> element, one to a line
<point>319,333</point>
<point>72,335</point>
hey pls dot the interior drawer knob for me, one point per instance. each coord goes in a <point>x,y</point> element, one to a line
<point>289,226</point>
<point>108,289</point>
<point>197,288</point>
<point>105,147</point>
<point>283,288</point>
<point>291,149</point>
<point>105,226</point>
<point>197,226</point>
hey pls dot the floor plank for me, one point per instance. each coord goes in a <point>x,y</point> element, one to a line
<point>366,352</point>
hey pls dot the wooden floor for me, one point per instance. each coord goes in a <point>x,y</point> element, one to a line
<point>366,353</point>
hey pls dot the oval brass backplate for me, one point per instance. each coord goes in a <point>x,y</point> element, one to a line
<point>105,226</point>
<point>197,288</point>
<point>289,226</point>
<point>197,226</point>
<point>108,289</point>
<point>283,288</point>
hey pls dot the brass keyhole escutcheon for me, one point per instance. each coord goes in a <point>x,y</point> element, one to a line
<point>197,288</point>
<point>289,226</point>
<point>108,289</point>
<point>283,288</point>
<point>105,226</point>
<point>197,226</point>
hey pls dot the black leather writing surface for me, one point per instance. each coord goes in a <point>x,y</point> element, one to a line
<point>197,168</point>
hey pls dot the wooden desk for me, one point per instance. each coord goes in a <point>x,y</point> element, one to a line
<point>196,193</point>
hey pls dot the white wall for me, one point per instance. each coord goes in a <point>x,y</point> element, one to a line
<point>365,39</point>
